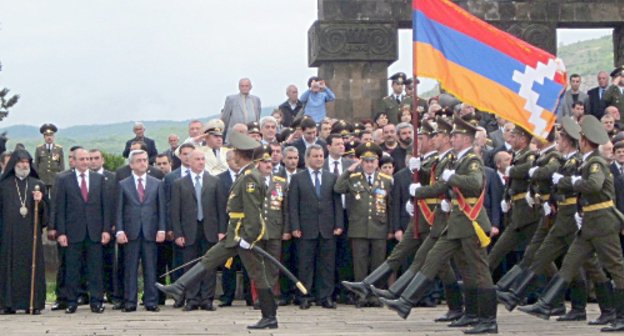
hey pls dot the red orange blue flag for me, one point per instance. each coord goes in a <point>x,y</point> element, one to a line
<point>486,67</point>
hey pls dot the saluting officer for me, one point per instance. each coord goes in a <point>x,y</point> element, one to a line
<point>600,224</point>
<point>368,193</point>
<point>49,158</point>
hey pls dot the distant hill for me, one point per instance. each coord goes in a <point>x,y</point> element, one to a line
<point>587,58</point>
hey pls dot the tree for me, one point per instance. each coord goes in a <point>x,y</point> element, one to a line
<point>6,101</point>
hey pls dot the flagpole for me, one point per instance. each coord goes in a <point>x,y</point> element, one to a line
<point>415,123</point>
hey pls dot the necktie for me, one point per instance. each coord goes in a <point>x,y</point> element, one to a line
<point>317,183</point>
<point>141,190</point>
<point>83,188</point>
<point>336,170</point>
<point>214,150</point>
<point>187,172</point>
<point>601,92</point>
<point>245,108</point>
<point>370,180</point>
<point>622,170</point>
<point>200,210</point>
<point>398,100</point>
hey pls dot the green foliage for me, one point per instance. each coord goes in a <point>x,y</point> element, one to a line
<point>587,58</point>
<point>113,161</point>
<point>6,101</point>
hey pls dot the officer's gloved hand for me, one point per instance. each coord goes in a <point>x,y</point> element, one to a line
<point>447,173</point>
<point>413,187</point>
<point>547,209</point>
<point>445,206</point>
<point>244,244</point>
<point>579,220</point>
<point>532,171</point>
<point>530,201</point>
<point>575,178</point>
<point>414,163</point>
<point>505,206</point>
<point>409,207</point>
<point>556,177</point>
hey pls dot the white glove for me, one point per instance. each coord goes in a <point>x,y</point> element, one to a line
<point>447,173</point>
<point>414,163</point>
<point>445,206</point>
<point>532,171</point>
<point>505,206</point>
<point>409,207</point>
<point>575,178</point>
<point>530,201</point>
<point>507,170</point>
<point>556,177</point>
<point>547,209</point>
<point>244,244</point>
<point>578,219</point>
<point>413,187</point>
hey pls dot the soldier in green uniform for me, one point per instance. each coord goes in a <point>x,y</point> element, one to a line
<point>49,158</point>
<point>391,104</point>
<point>368,198</point>
<point>245,228</point>
<point>560,212</point>
<point>524,218</point>
<point>600,224</point>
<point>614,95</point>
<point>411,240</point>
<point>466,233</point>
<point>274,210</point>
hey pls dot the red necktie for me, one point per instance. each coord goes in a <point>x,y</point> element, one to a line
<point>141,190</point>
<point>83,188</point>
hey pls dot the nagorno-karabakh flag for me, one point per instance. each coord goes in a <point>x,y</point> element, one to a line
<point>486,67</point>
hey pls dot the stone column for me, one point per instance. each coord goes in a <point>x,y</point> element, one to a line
<point>618,45</point>
<point>353,58</point>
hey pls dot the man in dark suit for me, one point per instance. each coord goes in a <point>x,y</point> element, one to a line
<point>198,224</point>
<point>488,156</point>
<point>291,107</point>
<point>315,212</point>
<point>617,166</point>
<point>309,136</point>
<point>497,135</point>
<point>83,226</point>
<point>597,105</point>
<point>139,132</point>
<point>140,225</point>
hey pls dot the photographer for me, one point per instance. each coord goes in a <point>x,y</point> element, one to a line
<point>315,98</point>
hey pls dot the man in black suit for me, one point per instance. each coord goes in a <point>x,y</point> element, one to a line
<point>83,226</point>
<point>617,166</point>
<point>316,217</point>
<point>198,224</point>
<point>139,132</point>
<point>597,105</point>
<point>140,225</point>
<point>309,136</point>
<point>336,164</point>
<point>488,157</point>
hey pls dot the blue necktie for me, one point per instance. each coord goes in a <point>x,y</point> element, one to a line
<point>198,187</point>
<point>317,183</point>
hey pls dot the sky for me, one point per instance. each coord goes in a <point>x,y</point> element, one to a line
<point>106,61</point>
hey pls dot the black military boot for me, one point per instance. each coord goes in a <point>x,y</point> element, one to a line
<point>455,303</point>
<point>507,280</point>
<point>471,313</point>
<point>362,288</point>
<point>604,296</point>
<point>418,287</point>
<point>189,278</point>
<point>268,307</point>
<point>550,298</point>
<point>487,313</point>
<point>618,323</point>
<point>578,298</point>
<point>517,291</point>
<point>395,290</point>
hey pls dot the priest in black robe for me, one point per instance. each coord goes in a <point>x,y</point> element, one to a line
<point>17,213</point>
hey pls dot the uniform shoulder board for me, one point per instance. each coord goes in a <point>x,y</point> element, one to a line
<point>388,177</point>
<point>531,157</point>
<point>247,172</point>
<point>471,155</point>
<point>278,178</point>
<point>59,146</point>
<point>355,175</point>
<point>40,146</point>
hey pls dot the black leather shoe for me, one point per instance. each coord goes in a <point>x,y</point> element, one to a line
<point>71,309</point>
<point>538,309</point>
<point>128,309</point>
<point>604,318</point>
<point>465,321</point>
<point>483,327</point>
<point>8,311</point>
<point>178,303</point>
<point>154,309</point>
<point>382,293</point>
<point>34,312</point>
<point>98,309</point>
<point>118,306</point>
<point>59,305</point>
<point>265,323</point>
<point>328,303</point>
<point>225,303</point>
<point>360,288</point>
<point>573,315</point>
<point>207,307</point>
<point>509,299</point>
<point>305,304</point>
<point>190,307</point>
<point>256,305</point>
<point>450,316</point>
<point>617,325</point>
<point>400,306</point>
<point>82,299</point>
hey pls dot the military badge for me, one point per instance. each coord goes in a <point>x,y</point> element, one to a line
<point>251,187</point>
<point>594,168</point>
<point>474,166</point>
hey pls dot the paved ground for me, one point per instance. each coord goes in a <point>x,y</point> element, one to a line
<point>346,320</point>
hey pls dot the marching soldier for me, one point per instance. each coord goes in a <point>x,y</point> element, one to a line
<point>246,227</point>
<point>49,158</point>
<point>599,225</point>
<point>391,104</point>
<point>368,208</point>
<point>560,212</point>
<point>466,234</point>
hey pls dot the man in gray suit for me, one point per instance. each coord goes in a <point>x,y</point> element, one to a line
<point>140,225</point>
<point>240,108</point>
<point>571,96</point>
